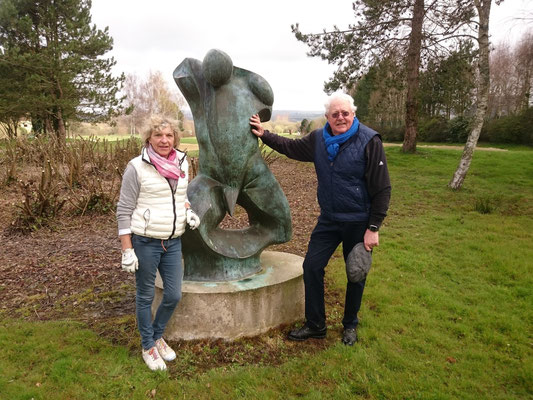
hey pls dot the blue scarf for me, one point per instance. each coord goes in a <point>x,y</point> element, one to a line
<point>333,142</point>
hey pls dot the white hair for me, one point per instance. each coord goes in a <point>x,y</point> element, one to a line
<point>339,95</point>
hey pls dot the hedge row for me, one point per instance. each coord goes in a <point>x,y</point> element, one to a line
<point>515,129</point>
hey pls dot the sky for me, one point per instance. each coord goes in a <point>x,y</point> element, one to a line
<point>158,35</point>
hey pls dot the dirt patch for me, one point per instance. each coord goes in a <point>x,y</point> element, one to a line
<point>188,146</point>
<point>72,271</point>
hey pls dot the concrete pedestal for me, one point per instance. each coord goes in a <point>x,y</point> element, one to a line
<point>232,309</point>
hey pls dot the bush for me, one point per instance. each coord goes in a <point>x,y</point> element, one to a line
<point>41,204</point>
<point>433,130</point>
<point>517,129</point>
<point>440,129</point>
<point>390,134</point>
<point>86,173</point>
<point>459,129</point>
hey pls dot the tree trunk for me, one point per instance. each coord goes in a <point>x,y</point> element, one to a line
<point>61,131</point>
<point>10,128</point>
<point>482,97</point>
<point>48,125</point>
<point>413,68</point>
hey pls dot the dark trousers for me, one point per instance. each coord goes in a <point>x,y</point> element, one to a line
<point>325,239</point>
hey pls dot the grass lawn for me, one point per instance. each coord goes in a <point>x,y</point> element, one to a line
<point>447,311</point>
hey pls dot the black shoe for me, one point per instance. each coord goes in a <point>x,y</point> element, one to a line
<point>306,332</point>
<point>349,337</point>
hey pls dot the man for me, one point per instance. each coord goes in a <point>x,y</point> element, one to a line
<point>353,194</point>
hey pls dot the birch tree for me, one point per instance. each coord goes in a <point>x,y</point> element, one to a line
<point>482,95</point>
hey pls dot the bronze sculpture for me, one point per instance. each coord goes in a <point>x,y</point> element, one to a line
<point>231,170</point>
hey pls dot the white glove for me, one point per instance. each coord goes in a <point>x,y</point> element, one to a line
<point>130,263</point>
<point>192,219</point>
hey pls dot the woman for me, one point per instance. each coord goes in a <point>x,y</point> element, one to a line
<point>152,212</point>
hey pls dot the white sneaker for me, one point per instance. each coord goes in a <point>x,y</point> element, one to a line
<point>164,350</point>
<point>152,358</point>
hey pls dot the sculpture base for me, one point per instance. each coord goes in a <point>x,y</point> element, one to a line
<point>247,307</point>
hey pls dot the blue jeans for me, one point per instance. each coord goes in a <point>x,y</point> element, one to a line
<point>325,239</point>
<point>153,255</point>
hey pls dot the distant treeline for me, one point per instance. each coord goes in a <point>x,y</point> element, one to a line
<point>447,96</point>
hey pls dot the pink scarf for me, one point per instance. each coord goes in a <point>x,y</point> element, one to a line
<point>169,168</point>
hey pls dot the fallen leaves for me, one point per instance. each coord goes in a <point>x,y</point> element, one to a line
<point>49,271</point>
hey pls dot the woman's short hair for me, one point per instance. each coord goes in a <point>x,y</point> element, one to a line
<point>339,95</point>
<point>156,123</point>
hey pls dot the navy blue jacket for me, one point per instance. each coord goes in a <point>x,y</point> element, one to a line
<point>356,186</point>
<point>342,191</point>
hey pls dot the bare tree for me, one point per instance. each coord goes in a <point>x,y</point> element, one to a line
<point>151,96</point>
<point>157,98</point>
<point>502,81</point>
<point>524,70</point>
<point>511,77</point>
<point>381,92</point>
<point>133,111</point>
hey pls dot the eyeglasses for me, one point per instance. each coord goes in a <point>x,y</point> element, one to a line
<point>336,114</point>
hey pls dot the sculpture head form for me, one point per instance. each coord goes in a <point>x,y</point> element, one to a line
<point>217,67</point>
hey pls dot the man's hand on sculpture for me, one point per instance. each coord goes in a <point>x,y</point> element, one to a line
<point>192,219</point>
<point>255,121</point>
<point>130,263</point>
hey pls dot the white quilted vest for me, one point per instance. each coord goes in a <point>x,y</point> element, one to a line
<point>159,214</point>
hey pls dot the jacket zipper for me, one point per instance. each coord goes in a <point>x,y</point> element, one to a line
<point>173,209</point>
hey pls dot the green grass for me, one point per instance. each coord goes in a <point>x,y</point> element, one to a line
<point>447,312</point>
<point>64,360</point>
<point>191,139</point>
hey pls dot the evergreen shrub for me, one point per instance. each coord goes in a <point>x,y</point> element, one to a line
<point>390,133</point>
<point>516,129</point>
<point>459,129</point>
<point>432,130</point>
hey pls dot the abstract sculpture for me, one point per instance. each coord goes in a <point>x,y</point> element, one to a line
<point>231,170</point>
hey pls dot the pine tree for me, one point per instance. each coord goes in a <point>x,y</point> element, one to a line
<point>53,57</point>
<point>385,27</point>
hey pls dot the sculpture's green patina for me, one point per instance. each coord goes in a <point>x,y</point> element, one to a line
<point>231,170</point>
